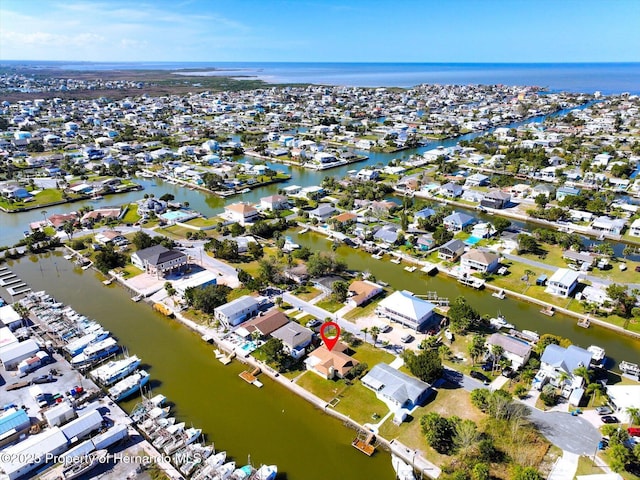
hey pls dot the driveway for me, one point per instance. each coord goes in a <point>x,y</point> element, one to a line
<point>572,434</point>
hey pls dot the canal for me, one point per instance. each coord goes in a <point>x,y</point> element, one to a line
<point>523,315</point>
<point>270,424</point>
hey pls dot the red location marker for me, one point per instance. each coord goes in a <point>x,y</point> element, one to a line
<point>328,338</point>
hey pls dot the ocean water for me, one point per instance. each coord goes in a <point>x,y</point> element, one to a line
<point>608,78</point>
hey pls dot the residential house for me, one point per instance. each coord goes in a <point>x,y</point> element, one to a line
<point>425,242</point>
<point>274,202</point>
<point>194,279</point>
<point>476,180</point>
<point>264,325</point>
<point>471,195</point>
<point>241,213</point>
<point>361,291</point>
<point>367,174</point>
<point>405,308</point>
<point>382,207</point>
<point>322,212</point>
<point>111,236</point>
<point>345,218</point>
<point>100,214</point>
<point>57,220</point>
<point>159,260</point>
<point>479,261</point>
<point>387,234</point>
<point>563,282</point>
<point>623,399</point>
<point>456,222</point>
<point>151,205</point>
<point>611,226</point>
<point>15,192</point>
<point>556,360</point>
<point>496,199</point>
<point>236,311</point>
<point>451,250</point>
<point>634,230</point>
<point>520,190</point>
<point>596,294</point>
<point>393,386</point>
<point>563,192</point>
<point>297,273</point>
<point>513,349</point>
<point>543,189</point>
<point>332,363</point>
<point>424,213</point>
<point>483,230</point>
<point>450,190</point>
<point>295,338</point>
<point>580,258</point>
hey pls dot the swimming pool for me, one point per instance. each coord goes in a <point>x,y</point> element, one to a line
<point>472,240</point>
<point>249,347</point>
<point>174,215</point>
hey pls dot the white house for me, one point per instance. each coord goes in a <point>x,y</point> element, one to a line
<point>237,311</point>
<point>274,202</point>
<point>403,307</point>
<point>396,388</point>
<point>241,213</point>
<point>479,261</point>
<point>612,226</point>
<point>515,350</point>
<point>634,230</point>
<point>563,282</point>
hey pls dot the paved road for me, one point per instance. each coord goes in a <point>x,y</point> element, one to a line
<point>572,434</point>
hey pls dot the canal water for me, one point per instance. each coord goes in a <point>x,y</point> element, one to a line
<point>270,424</point>
<point>522,315</point>
<point>13,225</point>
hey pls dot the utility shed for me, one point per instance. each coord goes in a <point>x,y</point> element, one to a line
<point>59,414</point>
<point>31,453</point>
<point>576,396</point>
<point>111,436</point>
<point>82,426</point>
<point>13,354</point>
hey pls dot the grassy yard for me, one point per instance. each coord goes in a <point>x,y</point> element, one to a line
<point>320,387</point>
<point>586,467</point>
<point>197,316</point>
<point>330,305</point>
<point>307,293</point>
<point>365,311</point>
<point>132,214</point>
<point>360,404</point>
<point>129,271</point>
<point>366,353</point>
<point>203,222</point>
<point>237,293</point>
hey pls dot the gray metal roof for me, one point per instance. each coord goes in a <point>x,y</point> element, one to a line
<point>391,383</point>
<point>237,305</point>
<point>567,359</point>
<point>293,334</point>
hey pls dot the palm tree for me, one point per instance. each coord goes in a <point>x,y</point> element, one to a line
<point>496,353</point>
<point>594,389</point>
<point>44,217</point>
<point>375,331</point>
<point>583,372</point>
<point>562,378</point>
<point>365,330</point>
<point>634,415</point>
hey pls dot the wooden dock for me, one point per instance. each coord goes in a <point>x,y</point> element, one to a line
<point>474,282</point>
<point>548,311</point>
<point>365,442</point>
<point>252,377</point>
<point>584,323</point>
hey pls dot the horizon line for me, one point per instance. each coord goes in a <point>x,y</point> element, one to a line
<point>337,62</point>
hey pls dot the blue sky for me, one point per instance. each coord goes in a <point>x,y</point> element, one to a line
<point>322,30</point>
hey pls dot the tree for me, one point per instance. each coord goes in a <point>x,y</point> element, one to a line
<point>439,432</point>
<point>167,197</point>
<point>527,473</point>
<point>501,224</point>
<point>466,436</point>
<point>364,331</point>
<point>461,315</point>
<point>168,287</point>
<point>476,348</point>
<point>273,350</point>
<point>255,250</point>
<point>108,259</point>
<point>427,365</point>
<point>339,291</point>
<point>69,228</point>
<point>142,240</point>
<point>527,244</point>
<point>619,456</point>
<point>623,301</point>
<point>541,200</point>
<point>496,354</point>
<point>207,298</point>
<point>634,415</point>
<point>480,471</point>
<point>585,373</point>
<point>375,331</point>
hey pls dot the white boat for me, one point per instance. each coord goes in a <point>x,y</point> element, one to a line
<point>403,470</point>
<point>224,471</point>
<point>531,335</point>
<point>242,473</point>
<point>87,463</point>
<point>168,434</point>
<point>96,351</point>
<point>499,294</point>
<point>500,322</point>
<point>76,346</point>
<point>187,438</point>
<point>245,190</point>
<point>211,464</point>
<point>266,472</point>
<point>115,370</point>
<point>130,385</point>
<point>597,354</point>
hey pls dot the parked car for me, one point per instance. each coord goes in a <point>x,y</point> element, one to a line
<point>604,410</point>
<point>487,367</point>
<point>479,376</point>
<point>507,372</point>
<point>610,419</point>
<point>634,431</point>
<point>314,323</point>
<point>407,338</point>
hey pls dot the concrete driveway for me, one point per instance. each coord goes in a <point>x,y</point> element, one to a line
<point>572,434</point>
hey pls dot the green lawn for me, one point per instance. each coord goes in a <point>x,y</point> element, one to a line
<point>320,387</point>
<point>307,293</point>
<point>330,305</point>
<point>132,214</point>
<point>237,293</point>
<point>366,353</point>
<point>203,222</point>
<point>360,404</point>
<point>365,311</point>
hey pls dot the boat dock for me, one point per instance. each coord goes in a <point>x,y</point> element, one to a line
<point>429,268</point>
<point>584,323</point>
<point>435,299</point>
<point>474,282</point>
<point>365,442</point>
<point>224,359</point>
<point>252,377</point>
<point>629,368</point>
<point>549,311</point>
